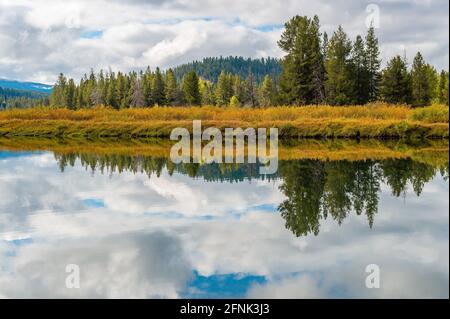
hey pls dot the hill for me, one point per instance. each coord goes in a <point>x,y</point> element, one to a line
<point>210,68</point>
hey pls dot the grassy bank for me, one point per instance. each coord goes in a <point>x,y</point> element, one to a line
<point>377,120</point>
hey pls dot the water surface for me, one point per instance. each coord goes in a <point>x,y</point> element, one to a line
<point>139,226</point>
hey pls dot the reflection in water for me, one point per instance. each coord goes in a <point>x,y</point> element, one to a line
<point>140,226</point>
<point>313,189</point>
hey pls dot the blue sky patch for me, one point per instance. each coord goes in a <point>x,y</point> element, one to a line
<point>221,286</point>
<point>94,34</point>
<point>93,202</point>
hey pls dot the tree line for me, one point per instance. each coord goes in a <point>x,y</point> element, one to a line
<point>14,98</point>
<point>316,69</point>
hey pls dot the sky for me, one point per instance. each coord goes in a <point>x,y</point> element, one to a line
<point>39,39</point>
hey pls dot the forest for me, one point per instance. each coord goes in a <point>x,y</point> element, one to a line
<point>316,69</point>
<point>14,98</point>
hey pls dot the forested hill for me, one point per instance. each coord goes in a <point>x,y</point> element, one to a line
<point>210,68</point>
<point>14,98</point>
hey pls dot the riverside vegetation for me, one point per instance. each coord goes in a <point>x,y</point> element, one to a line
<point>375,120</point>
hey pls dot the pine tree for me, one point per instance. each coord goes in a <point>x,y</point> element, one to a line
<point>442,94</point>
<point>266,92</point>
<point>251,94</point>
<point>191,89</point>
<point>339,84</point>
<point>224,89</point>
<point>373,64</point>
<point>158,92</point>
<point>147,86</point>
<point>207,92</point>
<point>111,97</point>
<point>238,88</point>
<point>57,96</point>
<point>420,85</point>
<point>361,72</point>
<point>303,73</point>
<point>69,95</point>
<point>171,88</point>
<point>396,82</point>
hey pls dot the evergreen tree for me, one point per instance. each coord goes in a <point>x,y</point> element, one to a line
<point>302,68</point>
<point>361,72</point>
<point>420,84</point>
<point>373,64</point>
<point>396,82</point>
<point>171,89</point>
<point>147,86</point>
<point>191,89</point>
<point>111,93</point>
<point>266,92</point>
<point>251,95</point>
<point>339,66</point>
<point>57,96</point>
<point>158,92</point>
<point>224,89</point>
<point>207,92</point>
<point>69,95</point>
<point>442,94</point>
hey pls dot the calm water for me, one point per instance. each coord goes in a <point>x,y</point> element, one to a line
<point>141,227</point>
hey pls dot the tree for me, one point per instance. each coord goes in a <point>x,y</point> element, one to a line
<point>234,102</point>
<point>420,85</point>
<point>224,89</point>
<point>361,72</point>
<point>137,98</point>
<point>250,91</point>
<point>69,95</point>
<point>158,94</point>
<point>147,86</point>
<point>171,88</point>
<point>111,97</point>
<point>339,84</point>
<point>373,64</point>
<point>303,73</point>
<point>191,89</point>
<point>207,92</point>
<point>57,96</point>
<point>442,94</point>
<point>266,92</point>
<point>396,82</point>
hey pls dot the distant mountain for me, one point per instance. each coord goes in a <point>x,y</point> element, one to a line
<point>210,68</point>
<point>26,86</point>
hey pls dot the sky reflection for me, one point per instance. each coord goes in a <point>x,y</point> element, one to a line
<point>173,236</point>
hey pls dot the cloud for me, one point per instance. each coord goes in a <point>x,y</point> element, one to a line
<point>143,265</point>
<point>40,39</point>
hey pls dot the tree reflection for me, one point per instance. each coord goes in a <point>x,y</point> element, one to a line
<point>315,190</point>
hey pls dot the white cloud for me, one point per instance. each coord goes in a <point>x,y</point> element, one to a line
<point>42,38</point>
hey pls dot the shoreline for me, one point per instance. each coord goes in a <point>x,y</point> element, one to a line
<point>333,150</point>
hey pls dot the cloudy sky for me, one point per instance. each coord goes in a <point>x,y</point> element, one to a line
<point>39,39</point>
